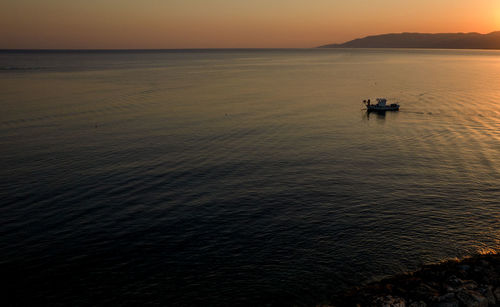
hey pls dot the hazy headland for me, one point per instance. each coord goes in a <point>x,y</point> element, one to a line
<point>425,40</point>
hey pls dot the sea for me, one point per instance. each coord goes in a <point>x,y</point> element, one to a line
<point>240,177</point>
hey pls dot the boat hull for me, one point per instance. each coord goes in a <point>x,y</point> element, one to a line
<point>380,109</point>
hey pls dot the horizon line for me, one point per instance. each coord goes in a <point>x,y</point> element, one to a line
<point>242,48</point>
<point>229,49</point>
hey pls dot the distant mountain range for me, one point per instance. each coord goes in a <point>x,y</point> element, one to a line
<point>425,40</point>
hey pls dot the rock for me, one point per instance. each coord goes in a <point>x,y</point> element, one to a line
<point>497,293</point>
<point>449,289</point>
<point>454,284</point>
<point>446,297</point>
<point>425,292</point>
<point>418,304</point>
<point>463,270</point>
<point>469,284</point>
<point>454,281</point>
<point>389,287</point>
<point>486,292</point>
<point>463,267</point>
<point>451,303</point>
<point>473,282</point>
<point>489,276</point>
<point>390,301</point>
<point>446,300</point>
<point>472,298</point>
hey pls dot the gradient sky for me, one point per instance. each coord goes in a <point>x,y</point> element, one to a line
<point>110,24</point>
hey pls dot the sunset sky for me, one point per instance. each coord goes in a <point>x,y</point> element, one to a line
<point>124,24</point>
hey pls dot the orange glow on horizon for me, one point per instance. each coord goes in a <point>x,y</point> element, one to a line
<point>229,24</point>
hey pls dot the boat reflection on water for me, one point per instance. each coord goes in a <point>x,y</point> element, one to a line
<point>382,115</point>
<point>377,114</point>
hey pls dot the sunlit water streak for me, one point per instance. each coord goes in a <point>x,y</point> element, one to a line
<point>241,177</point>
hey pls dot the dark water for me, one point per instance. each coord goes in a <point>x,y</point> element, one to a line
<point>240,177</point>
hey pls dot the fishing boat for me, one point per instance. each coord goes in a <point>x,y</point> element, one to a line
<point>381,105</point>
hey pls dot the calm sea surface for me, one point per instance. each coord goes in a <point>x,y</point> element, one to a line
<point>240,177</point>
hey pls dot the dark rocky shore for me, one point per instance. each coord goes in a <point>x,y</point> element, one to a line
<point>473,281</point>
